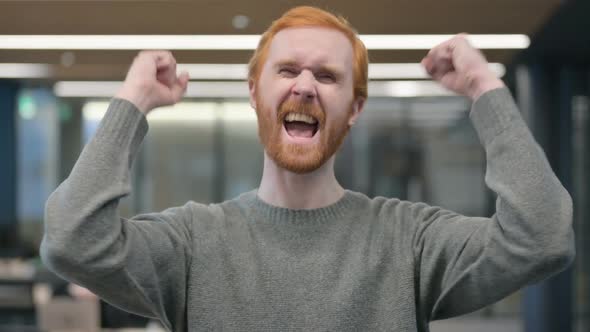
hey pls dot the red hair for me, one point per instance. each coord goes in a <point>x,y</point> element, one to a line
<point>305,16</point>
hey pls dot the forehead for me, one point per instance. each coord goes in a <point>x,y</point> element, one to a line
<point>311,46</point>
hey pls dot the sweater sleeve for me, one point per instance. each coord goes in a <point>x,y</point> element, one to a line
<point>465,263</point>
<point>137,264</point>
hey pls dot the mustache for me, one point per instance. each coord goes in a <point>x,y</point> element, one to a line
<point>297,106</point>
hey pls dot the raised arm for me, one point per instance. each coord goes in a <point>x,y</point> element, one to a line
<point>465,263</point>
<point>140,264</point>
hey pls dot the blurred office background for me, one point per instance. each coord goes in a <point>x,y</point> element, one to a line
<point>414,141</point>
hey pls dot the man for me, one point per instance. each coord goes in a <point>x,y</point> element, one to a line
<point>301,252</point>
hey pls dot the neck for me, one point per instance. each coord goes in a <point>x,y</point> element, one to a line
<point>283,188</point>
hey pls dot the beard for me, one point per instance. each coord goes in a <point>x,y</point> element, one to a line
<point>299,158</point>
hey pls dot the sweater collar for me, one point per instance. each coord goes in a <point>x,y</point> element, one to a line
<point>337,210</point>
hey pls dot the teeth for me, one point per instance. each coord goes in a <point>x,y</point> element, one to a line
<point>300,117</point>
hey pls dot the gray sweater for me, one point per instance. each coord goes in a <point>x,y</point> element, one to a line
<point>361,264</point>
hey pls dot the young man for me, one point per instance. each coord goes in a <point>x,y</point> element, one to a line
<point>301,252</point>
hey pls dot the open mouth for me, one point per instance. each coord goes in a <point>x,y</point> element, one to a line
<point>300,125</point>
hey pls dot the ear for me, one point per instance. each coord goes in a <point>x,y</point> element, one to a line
<point>252,92</point>
<point>357,108</point>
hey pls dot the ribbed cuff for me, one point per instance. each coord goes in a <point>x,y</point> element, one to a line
<point>122,122</point>
<point>123,125</point>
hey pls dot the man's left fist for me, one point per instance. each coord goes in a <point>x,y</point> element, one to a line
<point>461,68</point>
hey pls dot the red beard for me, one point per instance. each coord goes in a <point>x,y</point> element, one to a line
<point>299,158</point>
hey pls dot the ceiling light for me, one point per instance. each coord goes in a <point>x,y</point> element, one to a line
<point>235,42</point>
<point>108,89</point>
<point>240,21</point>
<point>25,70</point>
<point>205,71</point>
<point>67,59</point>
<point>183,112</point>
<point>407,89</point>
<point>376,71</point>
<point>240,89</point>
<point>413,71</point>
<point>129,42</point>
<point>426,42</point>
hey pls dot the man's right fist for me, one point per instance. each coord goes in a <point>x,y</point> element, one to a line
<point>152,82</point>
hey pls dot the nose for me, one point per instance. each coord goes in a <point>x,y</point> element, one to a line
<point>304,86</point>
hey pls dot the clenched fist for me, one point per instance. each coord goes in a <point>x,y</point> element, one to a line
<point>461,68</point>
<point>152,81</point>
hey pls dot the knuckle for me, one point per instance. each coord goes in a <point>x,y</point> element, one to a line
<point>166,55</point>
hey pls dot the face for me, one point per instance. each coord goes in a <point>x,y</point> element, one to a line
<point>304,97</point>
